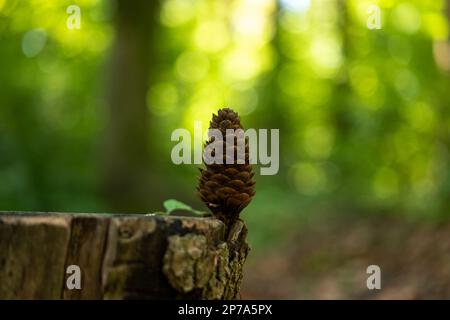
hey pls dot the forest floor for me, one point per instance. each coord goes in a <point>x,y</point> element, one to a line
<point>328,260</point>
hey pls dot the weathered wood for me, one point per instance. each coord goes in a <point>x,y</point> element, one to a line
<point>86,247</point>
<point>33,251</point>
<point>120,256</point>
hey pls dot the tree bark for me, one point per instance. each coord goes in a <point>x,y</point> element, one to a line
<point>120,256</point>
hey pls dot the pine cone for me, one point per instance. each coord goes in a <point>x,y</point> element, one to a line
<point>225,188</point>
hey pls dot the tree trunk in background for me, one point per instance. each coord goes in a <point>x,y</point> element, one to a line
<point>343,123</point>
<point>444,116</point>
<point>448,11</point>
<point>272,116</point>
<point>128,174</point>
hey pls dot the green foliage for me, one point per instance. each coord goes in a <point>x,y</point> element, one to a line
<point>172,205</point>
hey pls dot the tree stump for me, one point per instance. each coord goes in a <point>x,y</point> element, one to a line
<point>120,256</point>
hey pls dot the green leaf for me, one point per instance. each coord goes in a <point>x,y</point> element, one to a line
<point>172,205</point>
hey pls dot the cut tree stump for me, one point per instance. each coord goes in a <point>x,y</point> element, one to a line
<point>120,256</point>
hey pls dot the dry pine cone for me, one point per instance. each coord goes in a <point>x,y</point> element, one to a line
<point>226,189</point>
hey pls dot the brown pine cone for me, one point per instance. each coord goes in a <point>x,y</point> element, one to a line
<point>226,189</point>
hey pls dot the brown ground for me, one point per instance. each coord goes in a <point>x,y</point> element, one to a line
<point>328,260</point>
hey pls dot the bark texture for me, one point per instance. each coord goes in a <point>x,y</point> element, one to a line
<point>120,256</point>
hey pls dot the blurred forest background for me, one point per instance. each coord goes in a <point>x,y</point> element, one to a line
<point>364,116</point>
